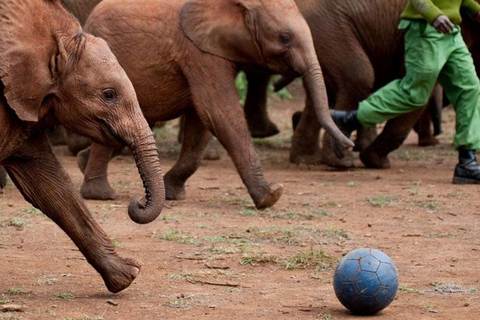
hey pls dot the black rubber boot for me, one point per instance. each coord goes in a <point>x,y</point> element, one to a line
<point>346,121</point>
<point>467,171</point>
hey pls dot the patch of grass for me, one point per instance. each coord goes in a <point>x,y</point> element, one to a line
<point>409,155</point>
<point>168,218</point>
<point>382,201</point>
<point>16,222</point>
<point>427,204</point>
<point>286,236</point>
<point>216,239</point>
<point>16,291</point>
<point>33,211</point>
<point>351,184</point>
<point>115,242</point>
<point>178,237</point>
<point>64,296</point>
<point>334,233</point>
<point>409,290</point>
<point>413,192</point>
<point>247,212</point>
<point>178,303</point>
<point>258,257</point>
<point>442,235</point>
<point>305,259</point>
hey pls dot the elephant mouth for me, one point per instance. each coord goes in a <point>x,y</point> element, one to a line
<point>110,137</point>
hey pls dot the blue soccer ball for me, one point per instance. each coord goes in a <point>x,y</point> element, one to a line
<point>365,281</point>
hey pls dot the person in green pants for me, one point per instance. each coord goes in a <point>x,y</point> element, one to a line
<point>434,50</point>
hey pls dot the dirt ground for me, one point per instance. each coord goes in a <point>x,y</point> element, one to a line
<point>213,256</point>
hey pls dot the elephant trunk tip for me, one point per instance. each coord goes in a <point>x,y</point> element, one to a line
<point>142,213</point>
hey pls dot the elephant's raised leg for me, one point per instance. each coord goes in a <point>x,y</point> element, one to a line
<point>42,181</point>
<point>195,138</point>
<point>255,109</point>
<point>365,136</point>
<point>219,110</point>
<point>393,135</point>
<point>95,184</point>
<point>3,177</point>
<point>305,141</point>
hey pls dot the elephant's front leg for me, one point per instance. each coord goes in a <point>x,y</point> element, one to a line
<point>216,102</point>
<point>42,181</point>
<point>195,139</point>
<point>392,137</point>
<point>255,109</point>
<point>95,184</point>
<point>3,177</point>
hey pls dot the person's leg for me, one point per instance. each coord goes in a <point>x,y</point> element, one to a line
<point>426,52</point>
<point>462,87</point>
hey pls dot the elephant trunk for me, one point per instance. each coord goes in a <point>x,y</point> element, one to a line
<point>315,85</point>
<point>146,158</point>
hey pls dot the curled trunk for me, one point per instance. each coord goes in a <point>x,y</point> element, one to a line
<point>146,158</point>
<point>315,85</point>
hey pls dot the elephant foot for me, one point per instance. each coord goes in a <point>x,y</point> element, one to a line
<point>97,189</point>
<point>263,129</point>
<point>272,196</point>
<point>374,161</point>
<point>173,189</point>
<point>329,158</point>
<point>427,141</point>
<point>312,159</point>
<point>121,274</point>
<point>307,154</point>
<point>82,159</point>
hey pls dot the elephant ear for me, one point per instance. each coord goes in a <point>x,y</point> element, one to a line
<point>222,27</point>
<point>29,54</point>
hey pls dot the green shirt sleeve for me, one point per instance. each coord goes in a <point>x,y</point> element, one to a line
<point>428,10</point>
<point>471,6</point>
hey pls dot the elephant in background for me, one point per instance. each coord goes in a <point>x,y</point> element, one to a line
<point>183,56</point>
<point>53,73</point>
<point>367,54</point>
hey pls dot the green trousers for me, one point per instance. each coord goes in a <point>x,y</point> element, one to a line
<point>429,56</point>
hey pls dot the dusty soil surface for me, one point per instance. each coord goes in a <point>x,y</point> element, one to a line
<point>213,256</point>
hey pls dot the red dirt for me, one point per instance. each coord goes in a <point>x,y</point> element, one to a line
<point>229,261</point>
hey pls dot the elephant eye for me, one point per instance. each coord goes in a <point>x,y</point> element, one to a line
<point>285,38</point>
<point>109,95</point>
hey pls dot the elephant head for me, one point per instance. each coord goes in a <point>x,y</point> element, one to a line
<point>271,34</point>
<point>52,72</point>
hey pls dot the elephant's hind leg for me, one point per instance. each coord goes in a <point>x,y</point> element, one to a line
<point>42,181</point>
<point>95,184</point>
<point>195,140</point>
<point>255,109</point>
<point>3,177</point>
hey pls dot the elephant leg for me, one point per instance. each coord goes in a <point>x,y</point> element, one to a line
<point>3,177</point>
<point>95,184</point>
<point>255,109</point>
<point>423,127</point>
<point>393,135</point>
<point>42,181</point>
<point>196,138</point>
<point>365,137</point>
<point>219,110</point>
<point>305,141</point>
<point>355,80</point>
<point>213,149</point>
<point>76,142</point>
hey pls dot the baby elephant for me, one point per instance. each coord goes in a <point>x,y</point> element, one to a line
<point>182,57</point>
<point>52,73</point>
